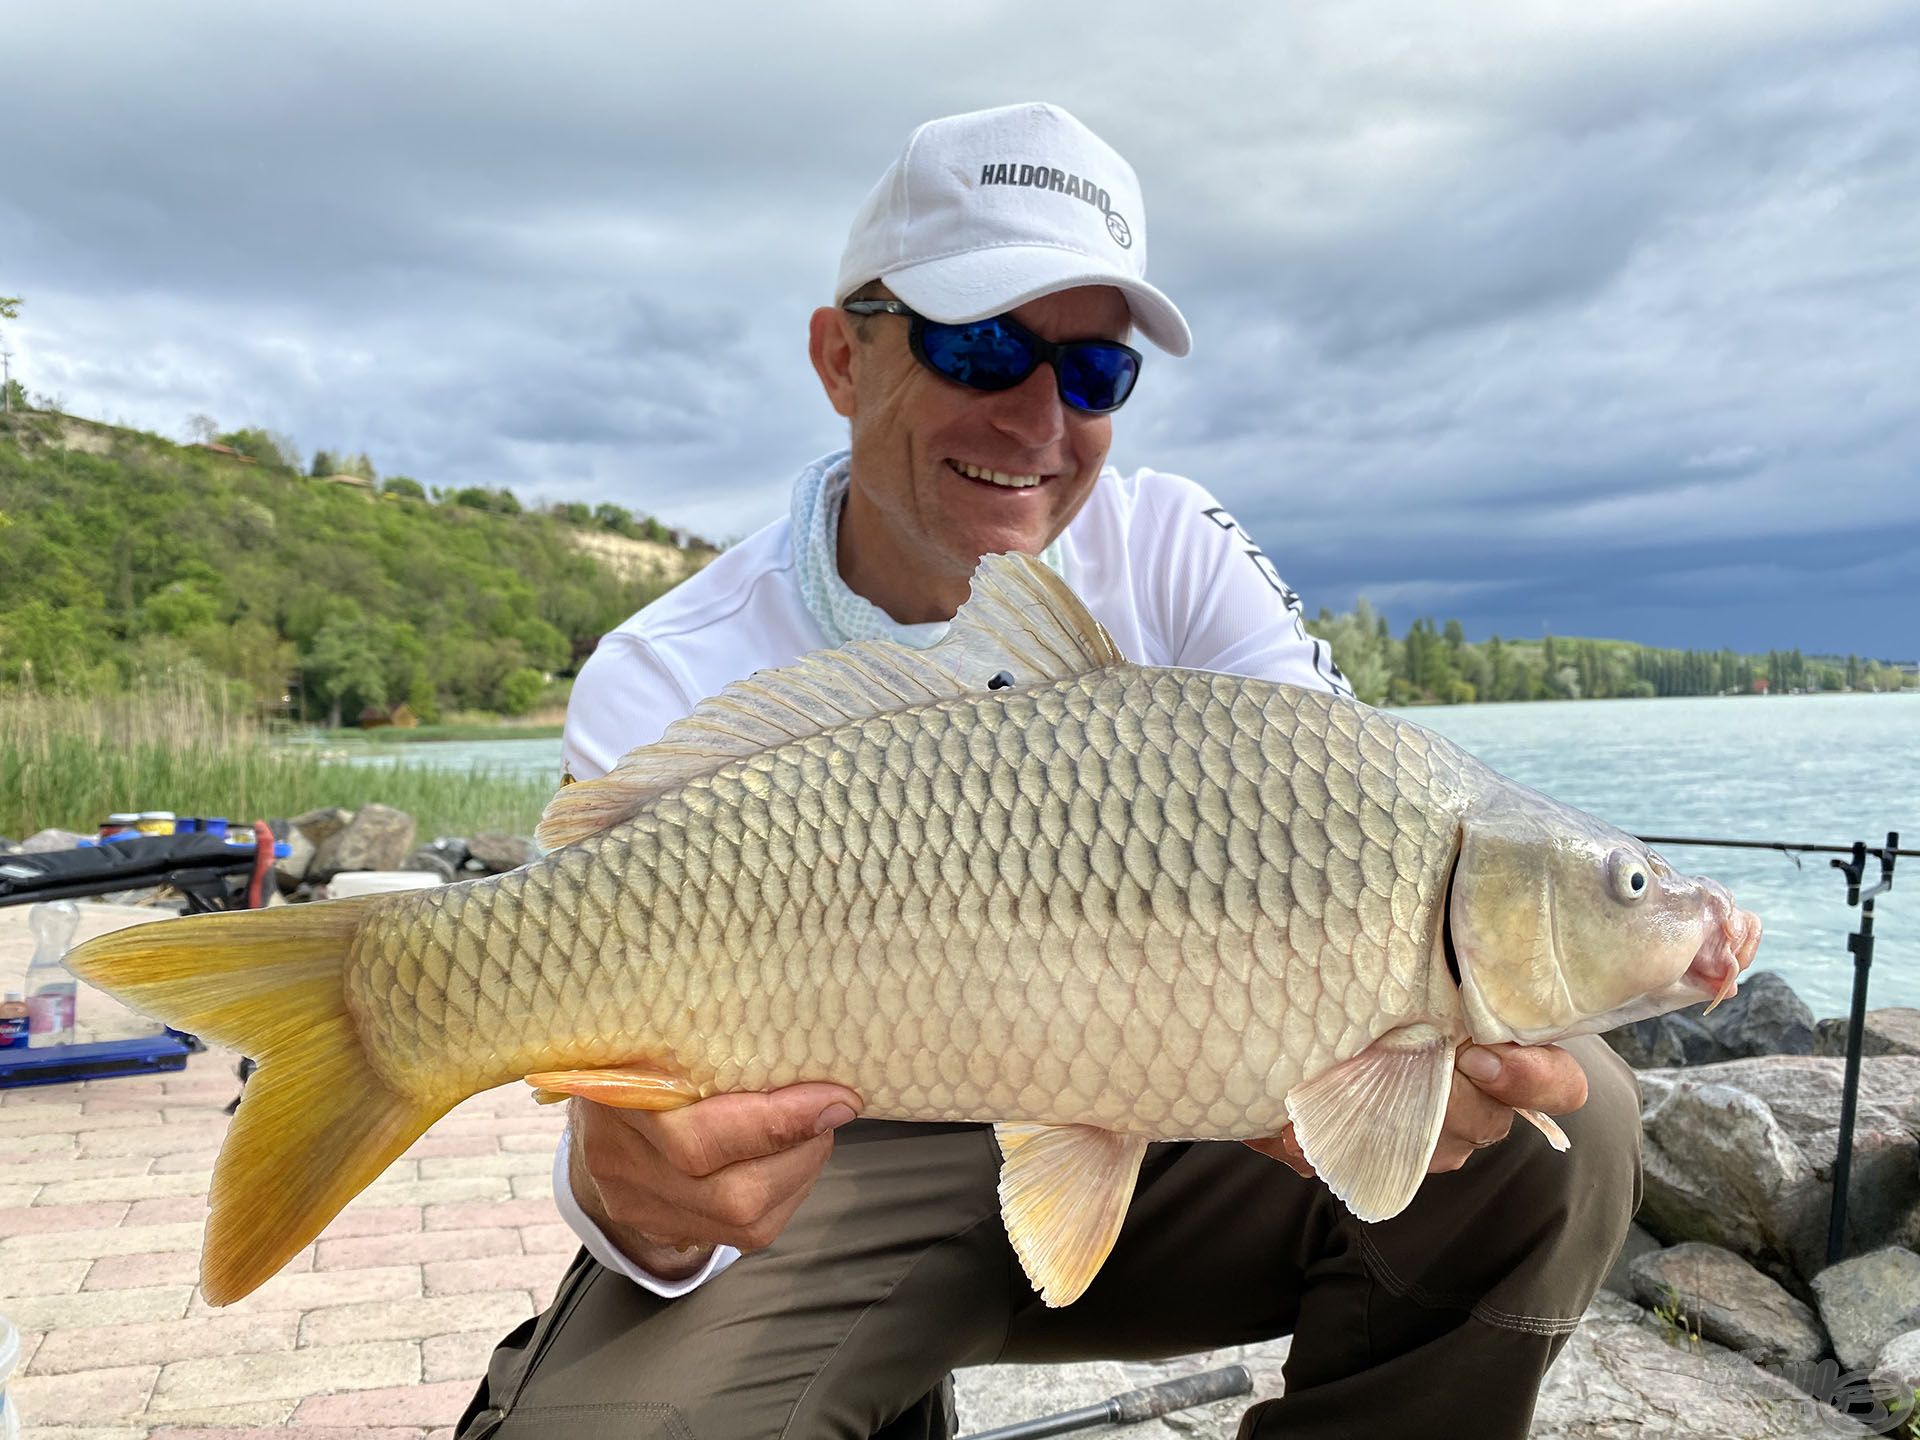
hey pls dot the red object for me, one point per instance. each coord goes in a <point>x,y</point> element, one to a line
<point>262,865</point>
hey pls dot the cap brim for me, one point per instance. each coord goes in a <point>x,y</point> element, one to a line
<point>979,283</point>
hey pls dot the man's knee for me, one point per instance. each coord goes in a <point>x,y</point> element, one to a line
<point>1603,1162</point>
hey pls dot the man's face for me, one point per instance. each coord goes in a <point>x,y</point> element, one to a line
<point>923,446</point>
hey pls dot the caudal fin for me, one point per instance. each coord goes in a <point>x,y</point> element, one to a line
<point>317,1125</point>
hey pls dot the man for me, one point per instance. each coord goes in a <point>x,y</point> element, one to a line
<point>768,1265</point>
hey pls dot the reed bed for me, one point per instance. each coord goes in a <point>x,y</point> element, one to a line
<point>70,762</point>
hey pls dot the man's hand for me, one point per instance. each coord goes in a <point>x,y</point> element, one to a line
<point>1501,1079</point>
<point>667,1187</point>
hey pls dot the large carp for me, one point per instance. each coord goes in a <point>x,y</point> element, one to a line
<point>1009,878</point>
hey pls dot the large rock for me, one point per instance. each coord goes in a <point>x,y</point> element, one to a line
<point>42,842</point>
<point>1764,1018</point>
<point>1619,1379</point>
<point>1892,1031</point>
<point>500,852</point>
<point>1867,1301</point>
<point>1620,1278</point>
<point>1900,1361</point>
<point>377,838</point>
<point>1741,1154</point>
<point>290,869</point>
<point>1724,1299</point>
<point>1666,1040</point>
<point>323,824</point>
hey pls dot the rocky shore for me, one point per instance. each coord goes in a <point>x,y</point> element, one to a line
<point>1721,1318</point>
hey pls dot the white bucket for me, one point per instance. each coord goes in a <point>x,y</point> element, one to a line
<point>373,882</point>
<point>9,1357</point>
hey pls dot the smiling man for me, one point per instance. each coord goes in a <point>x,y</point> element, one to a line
<point>770,1265</point>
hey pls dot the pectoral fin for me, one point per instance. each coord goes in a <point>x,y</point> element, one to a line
<point>1544,1123</point>
<point>1064,1189</point>
<point>1369,1125</point>
<point>625,1087</point>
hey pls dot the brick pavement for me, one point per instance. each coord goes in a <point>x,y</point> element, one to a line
<point>377,1331</point>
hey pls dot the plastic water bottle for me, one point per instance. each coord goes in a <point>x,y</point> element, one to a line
<point>50,986</point>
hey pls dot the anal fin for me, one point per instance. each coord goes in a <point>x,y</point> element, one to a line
<point>1369,1125</point>
<point>625,1087</point>
<point>1064,1191</point>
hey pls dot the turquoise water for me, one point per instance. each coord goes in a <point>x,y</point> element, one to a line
<point>1829,769</point>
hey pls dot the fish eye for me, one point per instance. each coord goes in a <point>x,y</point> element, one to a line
<point>1629,877</point>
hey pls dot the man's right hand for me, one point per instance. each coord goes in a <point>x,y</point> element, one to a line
<point>668,1186</point>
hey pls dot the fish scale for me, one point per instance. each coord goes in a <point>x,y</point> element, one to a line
<point>1079,857</point>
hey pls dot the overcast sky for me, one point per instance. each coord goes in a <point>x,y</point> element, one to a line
<point>1597,318</point>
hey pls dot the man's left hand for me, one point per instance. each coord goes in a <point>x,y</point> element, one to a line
<point>1500,1079</point>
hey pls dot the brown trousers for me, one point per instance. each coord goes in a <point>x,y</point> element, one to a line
<point>896,1270</point>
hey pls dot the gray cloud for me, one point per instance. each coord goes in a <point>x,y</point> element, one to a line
<point>1600,320</point>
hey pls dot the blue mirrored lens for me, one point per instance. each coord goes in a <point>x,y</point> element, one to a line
<point>1096,377</point>
<point>985,354</point>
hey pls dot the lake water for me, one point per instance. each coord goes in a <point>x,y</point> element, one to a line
<point>1828,769</point>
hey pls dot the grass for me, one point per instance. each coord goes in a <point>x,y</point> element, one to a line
<point>70,762</point>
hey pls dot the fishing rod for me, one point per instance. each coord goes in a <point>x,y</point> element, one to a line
<point>1132,1406</point>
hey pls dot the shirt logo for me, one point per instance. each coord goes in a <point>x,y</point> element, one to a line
<point>1043,177</point>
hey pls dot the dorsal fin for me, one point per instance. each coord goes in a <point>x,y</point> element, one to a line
<point>1021,621</point>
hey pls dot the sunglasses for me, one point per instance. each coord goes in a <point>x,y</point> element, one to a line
<point>1094,376</point>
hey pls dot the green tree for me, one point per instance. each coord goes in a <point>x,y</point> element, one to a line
<point>325,462</point>
<point>520,690</point>
<point>344,665</point>
<point>404,485</point>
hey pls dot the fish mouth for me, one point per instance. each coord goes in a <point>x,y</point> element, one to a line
<point>1732,937</point>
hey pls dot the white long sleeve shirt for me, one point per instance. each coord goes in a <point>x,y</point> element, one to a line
<point>1155,558</point>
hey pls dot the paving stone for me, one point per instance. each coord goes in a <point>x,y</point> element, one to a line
<point>445,1147</point>
<point>38,1219</point>
<point>476,1215</point>
<point>555,1238</point>
<point>304,1291</point>
<point>462,1356</point>
<point>130,1272</point>
<point>29,1122</point>
<point>44,1169</point>
<point>162,1342</point>
<point>152,1140</point>
<point>527,1186</point>
<point>124,1188</point>
<point>294,1374</point>
<point>399,1405</point>
<point>463,1167</point>
<point>361,1218</point>
<point>408,1249</point>
<point>246,1415</point>
<point>187,1161</point>
<point>498,1272</point>
<point>19,1195</point>
<point>42,1277</point>
<point>91,1397</point>
<point>38,1143</point>
<point>99,1307</point>
<point>90,1244</point>
<point>290,1432</point>
<point>87,1432</point>
<point>542,1142</point>
<point>414,1319</point>
<point>49,1100</point>
<point>440,1192</point>
<point>166,1210</point>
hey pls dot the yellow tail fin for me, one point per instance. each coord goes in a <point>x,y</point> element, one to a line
<point>317,1125</point>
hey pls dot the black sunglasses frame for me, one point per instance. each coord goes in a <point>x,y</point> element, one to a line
<point>1046,352</point>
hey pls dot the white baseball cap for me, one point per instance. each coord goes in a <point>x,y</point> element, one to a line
<point>985,211</point>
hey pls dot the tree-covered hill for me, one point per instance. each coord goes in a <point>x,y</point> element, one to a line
<point>123,555</point>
